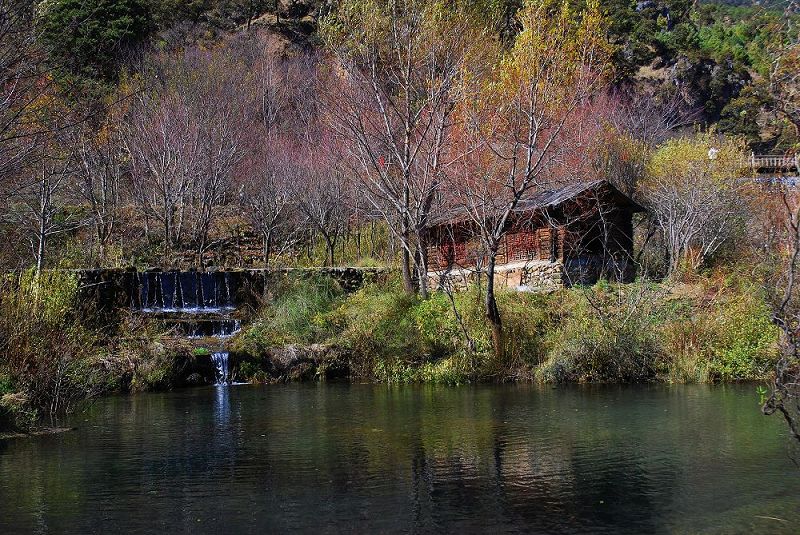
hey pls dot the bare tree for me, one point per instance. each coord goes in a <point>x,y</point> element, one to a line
<point>23,80</point>
<point>394,105</point>
<point>321,192</point>
<point>100,165</point>
<point>526,125</point>
<point>284,92</point>
<point>268,199</point>
<point>695,193</point>
<point>220,149</point>
<point>648,116</point>
<point>272,87</point>
<point>185,137</point>
<point>784,395</point>
<point>163,143</point>
<point>40,203</point>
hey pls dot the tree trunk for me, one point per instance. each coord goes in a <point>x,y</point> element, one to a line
<point>408,282</point>
<point>102,241</point>
<point>267,247</point>
<point>330,245</point>
<point>44,210</point>
<point>167,240</point>
<point>373,240</point>
<point>422,267</point>
<point>407,276</point>
<point>201,249</point>
<point>41,248</point>
<point>492,312</point>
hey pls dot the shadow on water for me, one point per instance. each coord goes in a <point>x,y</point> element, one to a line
<point>376,458</point>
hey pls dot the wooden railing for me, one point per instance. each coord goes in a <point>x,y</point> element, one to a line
<point>775,162</point>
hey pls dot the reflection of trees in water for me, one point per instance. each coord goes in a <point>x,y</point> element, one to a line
<point>527,480</point>
<point>464,455</point>
<point>393,459</point>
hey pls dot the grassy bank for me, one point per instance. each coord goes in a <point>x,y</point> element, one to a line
<point>712,328</point>
<point>54,353</point>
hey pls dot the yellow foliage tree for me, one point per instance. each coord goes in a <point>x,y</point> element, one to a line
<point>695,189</point>
<point>523,120</point>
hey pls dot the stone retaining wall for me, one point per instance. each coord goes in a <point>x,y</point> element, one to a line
<point>110,289</point>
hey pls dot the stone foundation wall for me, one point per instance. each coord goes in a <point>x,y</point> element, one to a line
<point>533,275</point>
<point>543,275</point>
<point>539,275</point>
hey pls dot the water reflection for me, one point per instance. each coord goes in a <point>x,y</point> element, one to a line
<point>222,409</point>
<point>341,457</point>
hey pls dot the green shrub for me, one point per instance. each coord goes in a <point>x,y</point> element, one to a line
<point>723,332</point>
<point>395,337</point>
<point>159,366</point>
<point>711,328</point>
<point>378,327</point>
<point>684,338</point>
<point>393,370</point>
<point>454,370</point>
<point>527,318</point>
<point>744,344</point>
<point>296,315</point>
<point>449,371</point>
<point>252,372</point>
<point>45,346</point>
<point>6,384</point>
<point>603,334</point>
<point>391,334</point>
<point>716,328</point>
<point>86,37</point>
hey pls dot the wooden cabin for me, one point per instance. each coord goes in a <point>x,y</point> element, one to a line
<point>571,235</point>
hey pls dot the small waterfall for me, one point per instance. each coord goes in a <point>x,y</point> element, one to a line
<point>216,328</point>
<point>168,301</point>
<point>193,304</point>
<point>220,360</point>
<point>188,284</point>
<point>228,296</point>
<point>183,292</point>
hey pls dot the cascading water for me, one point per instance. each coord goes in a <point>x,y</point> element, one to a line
<point>197,305</point>
<point>221,361</point>
<point>183,292</point>
<point>205,328</point>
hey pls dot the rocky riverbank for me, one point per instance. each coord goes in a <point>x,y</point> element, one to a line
<point>717,328</point>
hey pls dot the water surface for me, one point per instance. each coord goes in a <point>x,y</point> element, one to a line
<point>364,458</point>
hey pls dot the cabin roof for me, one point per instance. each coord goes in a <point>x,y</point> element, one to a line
<point>543,199</point>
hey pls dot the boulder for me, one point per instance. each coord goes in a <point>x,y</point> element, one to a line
<point>302,363</point>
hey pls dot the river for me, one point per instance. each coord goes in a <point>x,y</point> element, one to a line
<point>329,458</point>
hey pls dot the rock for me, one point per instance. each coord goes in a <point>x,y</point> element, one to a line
<point>304,363</point>
<point>195,379</point>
